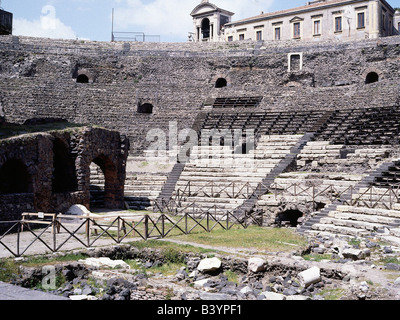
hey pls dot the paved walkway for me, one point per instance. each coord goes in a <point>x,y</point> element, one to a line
<point>11,292</point>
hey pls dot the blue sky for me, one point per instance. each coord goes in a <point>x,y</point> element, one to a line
<point>91,19</point>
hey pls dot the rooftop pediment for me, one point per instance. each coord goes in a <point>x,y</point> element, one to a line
<point>206,7</point>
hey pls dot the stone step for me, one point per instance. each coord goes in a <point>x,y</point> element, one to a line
<point>209,200</point>
<point>343,230</point>
<point>370,211</point>
<point>378,220</point>
<point>351,223</point>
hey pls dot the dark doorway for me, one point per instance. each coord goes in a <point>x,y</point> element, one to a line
<point>64,175</point>
<point>82,78</point>
<point>103,183</point>
<point>145,108</point>
<point>221,83</point>
<point>205,28</point>
<point>371,78</point>
<point>14,178</point>
<point>288,218</point>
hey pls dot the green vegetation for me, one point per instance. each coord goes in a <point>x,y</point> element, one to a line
<point>10,130</point>
<point>332,294</point>
<point>317,257</point>
<point>8,270</point>
<point>268,239</point>
<point>171,247</point>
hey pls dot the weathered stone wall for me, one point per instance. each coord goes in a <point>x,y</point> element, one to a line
<point>37,155</point>
<point>38,79</point>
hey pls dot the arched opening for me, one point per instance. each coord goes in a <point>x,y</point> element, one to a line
<point>221,83</point>
<point>82,78</point>
<point>15,178</point>
<point>64,175</point>
<point>145,108</point>
<point>103,183</point>
<point>371,78</point>
<point>97,182</point>
<point>205,28</point>
<point>288,218</point>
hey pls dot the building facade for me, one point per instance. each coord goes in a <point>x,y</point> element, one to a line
<point>317,20</point>
<point>6,22</point>
<point>209,21</point>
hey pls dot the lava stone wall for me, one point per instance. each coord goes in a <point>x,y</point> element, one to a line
<point>36,154</point>
<point>38,79</point>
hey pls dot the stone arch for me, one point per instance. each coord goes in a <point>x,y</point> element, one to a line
<point>372,76</point>
<point>108,189</point>
<point>221,83</point>
<point>221,80</point>
<point>64,174</point>
<point>15,178</point>
<point>145,108</point>
<point>288,217</point>
<point>205,28</point>
<point>83,76</point>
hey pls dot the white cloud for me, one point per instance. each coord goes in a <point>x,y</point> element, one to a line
<point>48,26</point>
<point>172,18</point>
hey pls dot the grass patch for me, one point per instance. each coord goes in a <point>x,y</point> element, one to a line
<point>317,257</point>
<point>332,294</point>
<point>232,276</point>
<point>38,261</point>
<point>269,239</point>
<point>10,130</point>
<point>157,244</point>
<point>8,270</point>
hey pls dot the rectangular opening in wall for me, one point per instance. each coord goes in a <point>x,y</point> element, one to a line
<point>317,27</point>
<point>295,62</point>
<point>338,24</point>
<point>361,20</point>
<point>296,30</point>
<point>278,33</point>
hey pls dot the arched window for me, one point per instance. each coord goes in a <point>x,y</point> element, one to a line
<point>82,78</point>
<point>221,83</point>
<point>64,175</point>
<point>15,178</point>
<point>145,108</point>
<point>205,28</point>
<point>371,78</point>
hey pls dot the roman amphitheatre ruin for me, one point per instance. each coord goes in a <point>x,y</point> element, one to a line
<point>163,138</point>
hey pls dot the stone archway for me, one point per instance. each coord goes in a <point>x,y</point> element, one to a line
<point>372,75</point>
<point>64,174</point>
<point>146,108</point>
<point>205,28</point>
<point>105,192</point>
<point>371,78</point>
<point>221,83</point>
<point>288,218</point>
<point>82,78</point>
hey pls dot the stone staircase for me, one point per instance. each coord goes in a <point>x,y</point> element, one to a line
<point>142,189</point>
<point>364,212</point>
<point>97,192</point>
<point>217,179</point>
